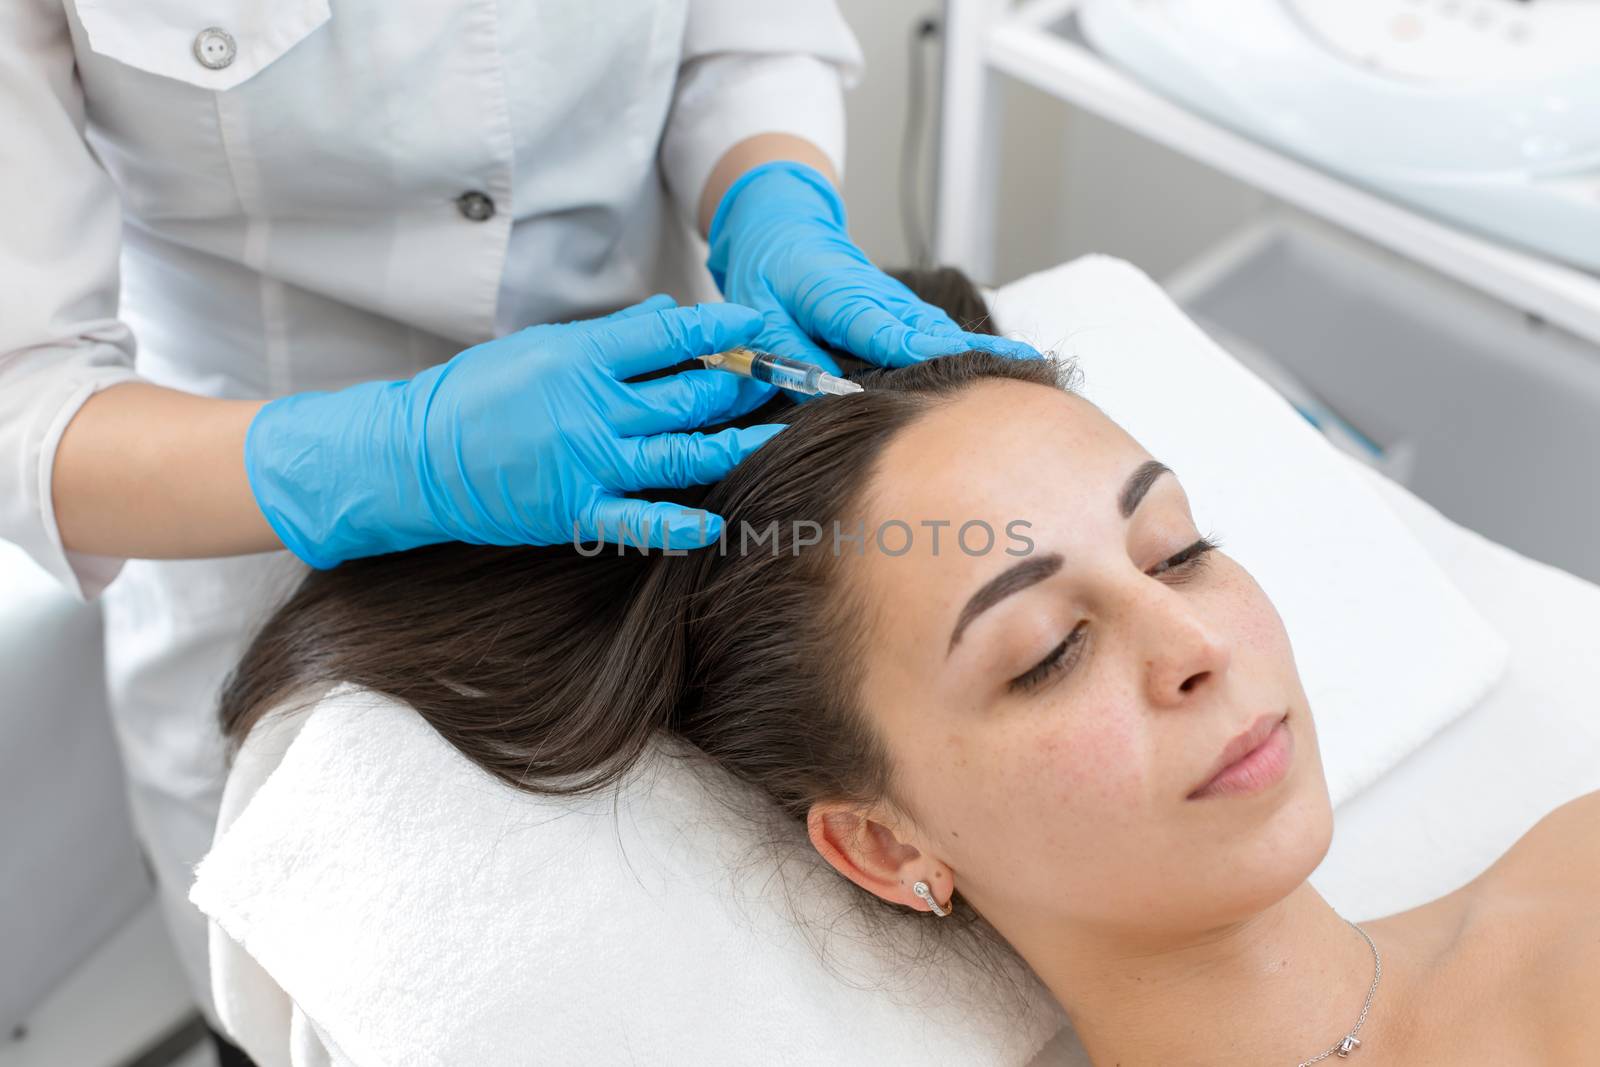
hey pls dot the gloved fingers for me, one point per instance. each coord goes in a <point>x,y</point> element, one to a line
<point>658,302</point>
<point>752,394</point>
<point>645,342</point>
<point>1001,346</point>
<point>926,318</point>
<point>783,338</point>
<point>687,400</point>
<point>675,460</point>
<point>860,325</point>
<point>644,523</point>
<point>934,332</point>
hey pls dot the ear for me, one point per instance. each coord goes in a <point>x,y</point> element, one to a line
<point>867,852</point>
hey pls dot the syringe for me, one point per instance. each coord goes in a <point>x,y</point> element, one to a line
<point>781,371</point>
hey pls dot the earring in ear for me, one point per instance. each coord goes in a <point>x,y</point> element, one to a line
<point>921,889</point>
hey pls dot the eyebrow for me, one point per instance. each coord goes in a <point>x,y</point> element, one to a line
<point>1036,569</point>
<point>1138,484</point>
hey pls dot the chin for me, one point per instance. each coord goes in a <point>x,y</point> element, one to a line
<point>1274,857</point>
<point>1289,848</point>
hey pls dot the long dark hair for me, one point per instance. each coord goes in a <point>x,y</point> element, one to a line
<point>553,670</point>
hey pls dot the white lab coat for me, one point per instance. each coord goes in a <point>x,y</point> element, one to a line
<point>286,199</point>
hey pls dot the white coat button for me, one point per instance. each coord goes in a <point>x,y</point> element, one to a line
<point>214,48</point>
<point>475,206</point>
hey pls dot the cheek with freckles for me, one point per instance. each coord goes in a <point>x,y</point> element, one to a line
<point>1253,621</point>
<point>1048,788</point>
<point>1083,758</point>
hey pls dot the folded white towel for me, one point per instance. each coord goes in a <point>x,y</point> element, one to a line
<point>383,902</point>
<point>421,912</point>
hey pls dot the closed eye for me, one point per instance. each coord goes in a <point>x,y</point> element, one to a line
<point>1036,675</point>
<point>1189,562</point>
<point>1179,568</point>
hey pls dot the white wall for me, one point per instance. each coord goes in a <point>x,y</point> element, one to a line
<point>1069,183</point>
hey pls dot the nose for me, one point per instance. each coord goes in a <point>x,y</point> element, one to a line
<point>1184,648</point>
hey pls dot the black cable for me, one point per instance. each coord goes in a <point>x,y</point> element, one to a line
<point>911,217</point>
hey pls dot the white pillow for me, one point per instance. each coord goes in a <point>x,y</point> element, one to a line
<point>381,897</point>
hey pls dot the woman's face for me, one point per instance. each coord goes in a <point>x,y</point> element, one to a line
<point>1048,735</point>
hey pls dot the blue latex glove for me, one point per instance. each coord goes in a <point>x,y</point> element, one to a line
<point>778,244</point>
<point>528,439</point>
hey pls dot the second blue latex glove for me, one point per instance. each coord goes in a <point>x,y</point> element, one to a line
<point>779,245</point>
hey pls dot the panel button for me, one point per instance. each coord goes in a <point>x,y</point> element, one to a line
<point>475,206</point>
<point>214,48</point>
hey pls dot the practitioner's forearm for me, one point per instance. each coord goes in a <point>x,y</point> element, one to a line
<point>750,153</point>
<point>147,472</point>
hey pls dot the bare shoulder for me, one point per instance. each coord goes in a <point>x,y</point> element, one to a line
<point>1533,924</point>
<point>1506,969</point>
<point>1559,856</point>
<point>1556,861</point>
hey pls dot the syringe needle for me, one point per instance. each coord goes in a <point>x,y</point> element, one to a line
<point>835,385</point>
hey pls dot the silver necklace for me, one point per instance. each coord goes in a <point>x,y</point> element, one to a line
<point>1349,1043</point>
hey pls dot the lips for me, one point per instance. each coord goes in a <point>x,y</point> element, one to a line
<point>1239,748</point>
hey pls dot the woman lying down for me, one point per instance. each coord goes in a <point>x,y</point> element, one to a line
<point>1082,733</point>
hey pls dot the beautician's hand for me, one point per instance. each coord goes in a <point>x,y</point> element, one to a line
<point>528,439</point>
<point>778,244</point>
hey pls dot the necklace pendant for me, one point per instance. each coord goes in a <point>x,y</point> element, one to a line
<point>1348,1045</point>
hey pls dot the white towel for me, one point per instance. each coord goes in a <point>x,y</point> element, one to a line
<point>420,912</point>
<point>379,896</point>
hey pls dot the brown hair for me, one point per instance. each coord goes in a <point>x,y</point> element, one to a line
<point>553,670</point>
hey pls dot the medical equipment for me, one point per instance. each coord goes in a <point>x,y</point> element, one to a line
<point>1488,418</point>
<point>1476,110</point>
<point>1339,430</point>
<point>781,371</point>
